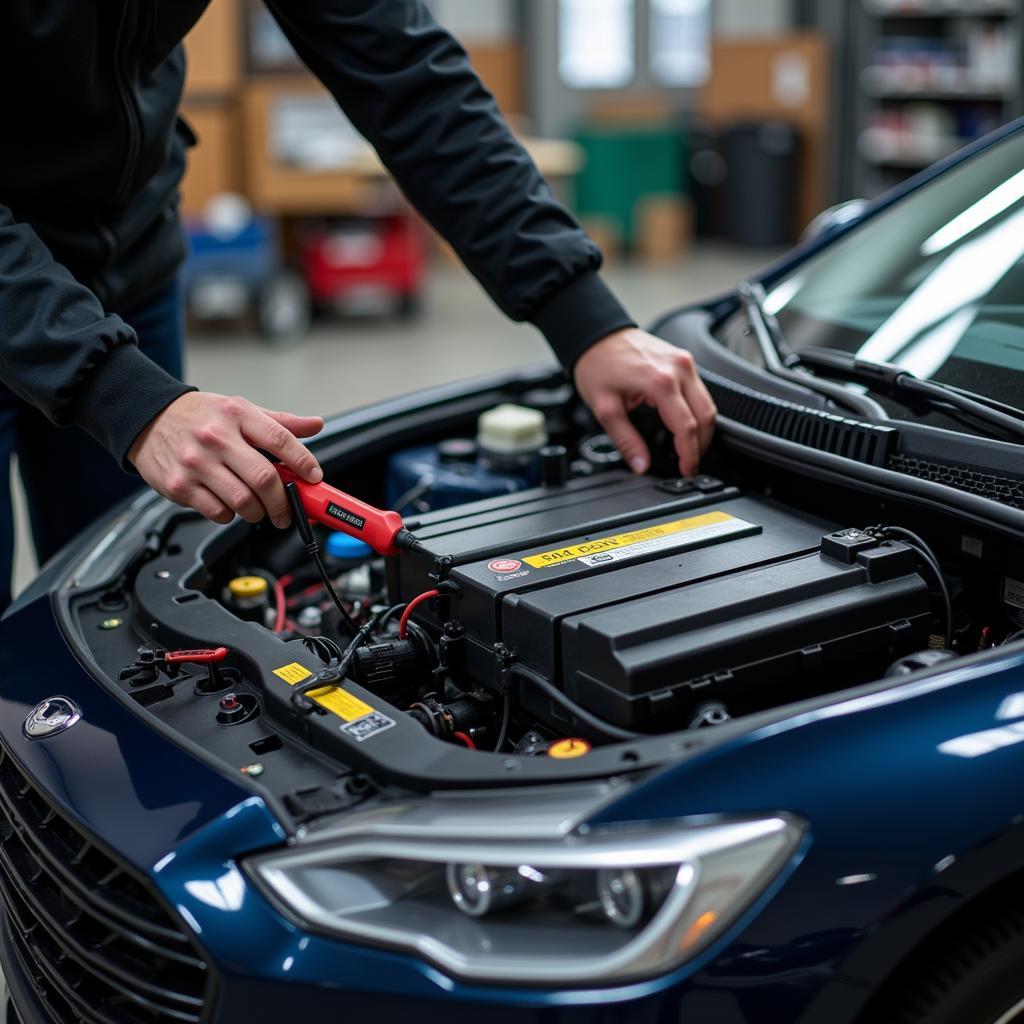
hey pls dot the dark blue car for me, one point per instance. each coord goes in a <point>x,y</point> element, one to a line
<point>746,747</point>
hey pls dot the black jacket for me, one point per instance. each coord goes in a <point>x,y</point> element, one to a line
<point>91,153</point>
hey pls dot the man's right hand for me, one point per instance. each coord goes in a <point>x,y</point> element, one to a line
<point>201,452</point>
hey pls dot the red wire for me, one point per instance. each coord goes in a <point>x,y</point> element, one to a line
<point>465,739</point>
<point>403,622</point>
<point>279,586</point>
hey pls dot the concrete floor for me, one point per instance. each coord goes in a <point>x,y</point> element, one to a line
<point>346,363</point>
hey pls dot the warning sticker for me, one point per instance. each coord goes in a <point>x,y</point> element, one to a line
<point>293,673</point>
<point>341,703</point>
<point>367,726</point>
<point>1013,592</point>
<point>665,536</point>
<point>335,699</point>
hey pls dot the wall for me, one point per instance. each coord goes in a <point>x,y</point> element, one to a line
<point>743,18</point>
<point>555,109</point>
<point>478,21</point>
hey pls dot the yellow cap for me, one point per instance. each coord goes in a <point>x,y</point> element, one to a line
<point>572,747</point>
<point>248,586</point>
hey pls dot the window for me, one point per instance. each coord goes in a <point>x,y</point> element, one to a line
<point>596,43</point>
<point>933,284</point>
<point>680,42</point>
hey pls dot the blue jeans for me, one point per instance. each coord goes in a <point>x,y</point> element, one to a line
<point>57,463</point>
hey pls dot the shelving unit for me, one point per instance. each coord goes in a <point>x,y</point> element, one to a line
<point>932,75</point>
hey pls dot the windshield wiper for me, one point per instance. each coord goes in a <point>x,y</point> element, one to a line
<point>798,366</point>
<point>902,384</point>
<point>781,359</point>
<point>779,352</point>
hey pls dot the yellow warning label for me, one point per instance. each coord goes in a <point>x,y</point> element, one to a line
<point>293,673</point>
<point>710,523</point>
<point>338,701</point>
<point>341,703</point>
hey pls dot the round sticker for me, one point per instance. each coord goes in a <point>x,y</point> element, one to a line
<point>573,747</point>
<point>505,565</point>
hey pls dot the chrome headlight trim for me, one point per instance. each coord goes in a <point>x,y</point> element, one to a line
<point>721,869</point>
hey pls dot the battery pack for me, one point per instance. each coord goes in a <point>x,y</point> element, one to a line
<point>644,599</point>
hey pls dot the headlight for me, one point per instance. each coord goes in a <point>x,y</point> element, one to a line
<point>597,906</point>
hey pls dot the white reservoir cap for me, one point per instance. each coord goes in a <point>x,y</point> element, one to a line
<point>511,430</point>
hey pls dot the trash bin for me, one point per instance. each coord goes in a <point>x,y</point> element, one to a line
<point>760,182</point>
<point>706,177</point>
<point>624,163</point>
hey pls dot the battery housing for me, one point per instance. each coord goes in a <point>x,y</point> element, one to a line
<point>645,599</point>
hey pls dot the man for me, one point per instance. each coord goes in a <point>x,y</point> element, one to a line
<point>92,153</point>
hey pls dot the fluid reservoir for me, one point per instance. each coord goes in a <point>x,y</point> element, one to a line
<point>345,552</point>
<point>502,459</point>
<point>510,436</point>
<point>353,559</point>
<point>248,597</point>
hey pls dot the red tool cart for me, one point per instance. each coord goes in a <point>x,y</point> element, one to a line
<point>365,264</point>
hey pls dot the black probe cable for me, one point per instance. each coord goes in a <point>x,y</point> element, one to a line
<point>506,718</point>
<point>301,696</point>
<point>595,723</point>
<point>344,658</point>
<point>313,550</point>
<point>928,557</point>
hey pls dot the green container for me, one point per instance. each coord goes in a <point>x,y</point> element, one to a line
<point>624,163</point>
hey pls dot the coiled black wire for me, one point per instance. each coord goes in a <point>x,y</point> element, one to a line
<point>598,725</point>
<point>506,719</point>
<point>339,661</point>
<point>927,556</point>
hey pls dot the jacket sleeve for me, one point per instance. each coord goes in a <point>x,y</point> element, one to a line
<point>408,86</point>
<point>62,353</point>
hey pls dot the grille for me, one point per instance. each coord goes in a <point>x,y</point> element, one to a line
<point>1006,489</point>
<point>863,442</point>
<point>89,932</point>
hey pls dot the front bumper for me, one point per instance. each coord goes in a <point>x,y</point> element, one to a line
<point>181,825</point>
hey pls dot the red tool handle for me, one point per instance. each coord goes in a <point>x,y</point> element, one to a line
<point>199,656</point>
<point>340,511</point>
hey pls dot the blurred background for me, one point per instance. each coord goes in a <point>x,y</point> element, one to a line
<point>694,139</point>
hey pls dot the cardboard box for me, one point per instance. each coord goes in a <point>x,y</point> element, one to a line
<point>604,231</point>
<point>500,67</point>
<point>213,51</point>
<point>213,164</point>
<point>664,228</point>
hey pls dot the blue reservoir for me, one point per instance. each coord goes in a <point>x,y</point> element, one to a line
<point>442,475</point>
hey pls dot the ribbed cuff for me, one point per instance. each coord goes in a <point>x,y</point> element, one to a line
<point>122,396</point>
<point>580,313</point>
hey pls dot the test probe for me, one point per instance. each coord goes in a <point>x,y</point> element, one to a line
<point>383,530</point>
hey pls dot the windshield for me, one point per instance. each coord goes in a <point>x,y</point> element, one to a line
<point>935,284</point>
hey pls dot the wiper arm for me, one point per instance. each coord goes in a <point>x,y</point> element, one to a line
<point>781,359</point>
<point>779,351</point>
<point>900,383</point>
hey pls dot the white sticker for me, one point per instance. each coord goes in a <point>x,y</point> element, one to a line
<point>1013,592</point>
<point>693,536</point>
<point>367,726</point>
<point>971,546</point>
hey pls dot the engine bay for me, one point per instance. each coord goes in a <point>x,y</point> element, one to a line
<point>562,617</point>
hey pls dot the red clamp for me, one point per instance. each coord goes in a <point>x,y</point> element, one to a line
<point>149,663</point>
<point>199,656</point>
<point>340,511</point>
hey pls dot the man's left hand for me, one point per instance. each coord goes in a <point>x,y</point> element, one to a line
<point>631,367</point>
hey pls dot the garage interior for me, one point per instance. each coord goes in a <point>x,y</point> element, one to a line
<point>751,119</point>
<point>695,140</point>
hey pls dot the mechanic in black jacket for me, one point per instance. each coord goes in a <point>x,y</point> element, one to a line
<point>91,154</point>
